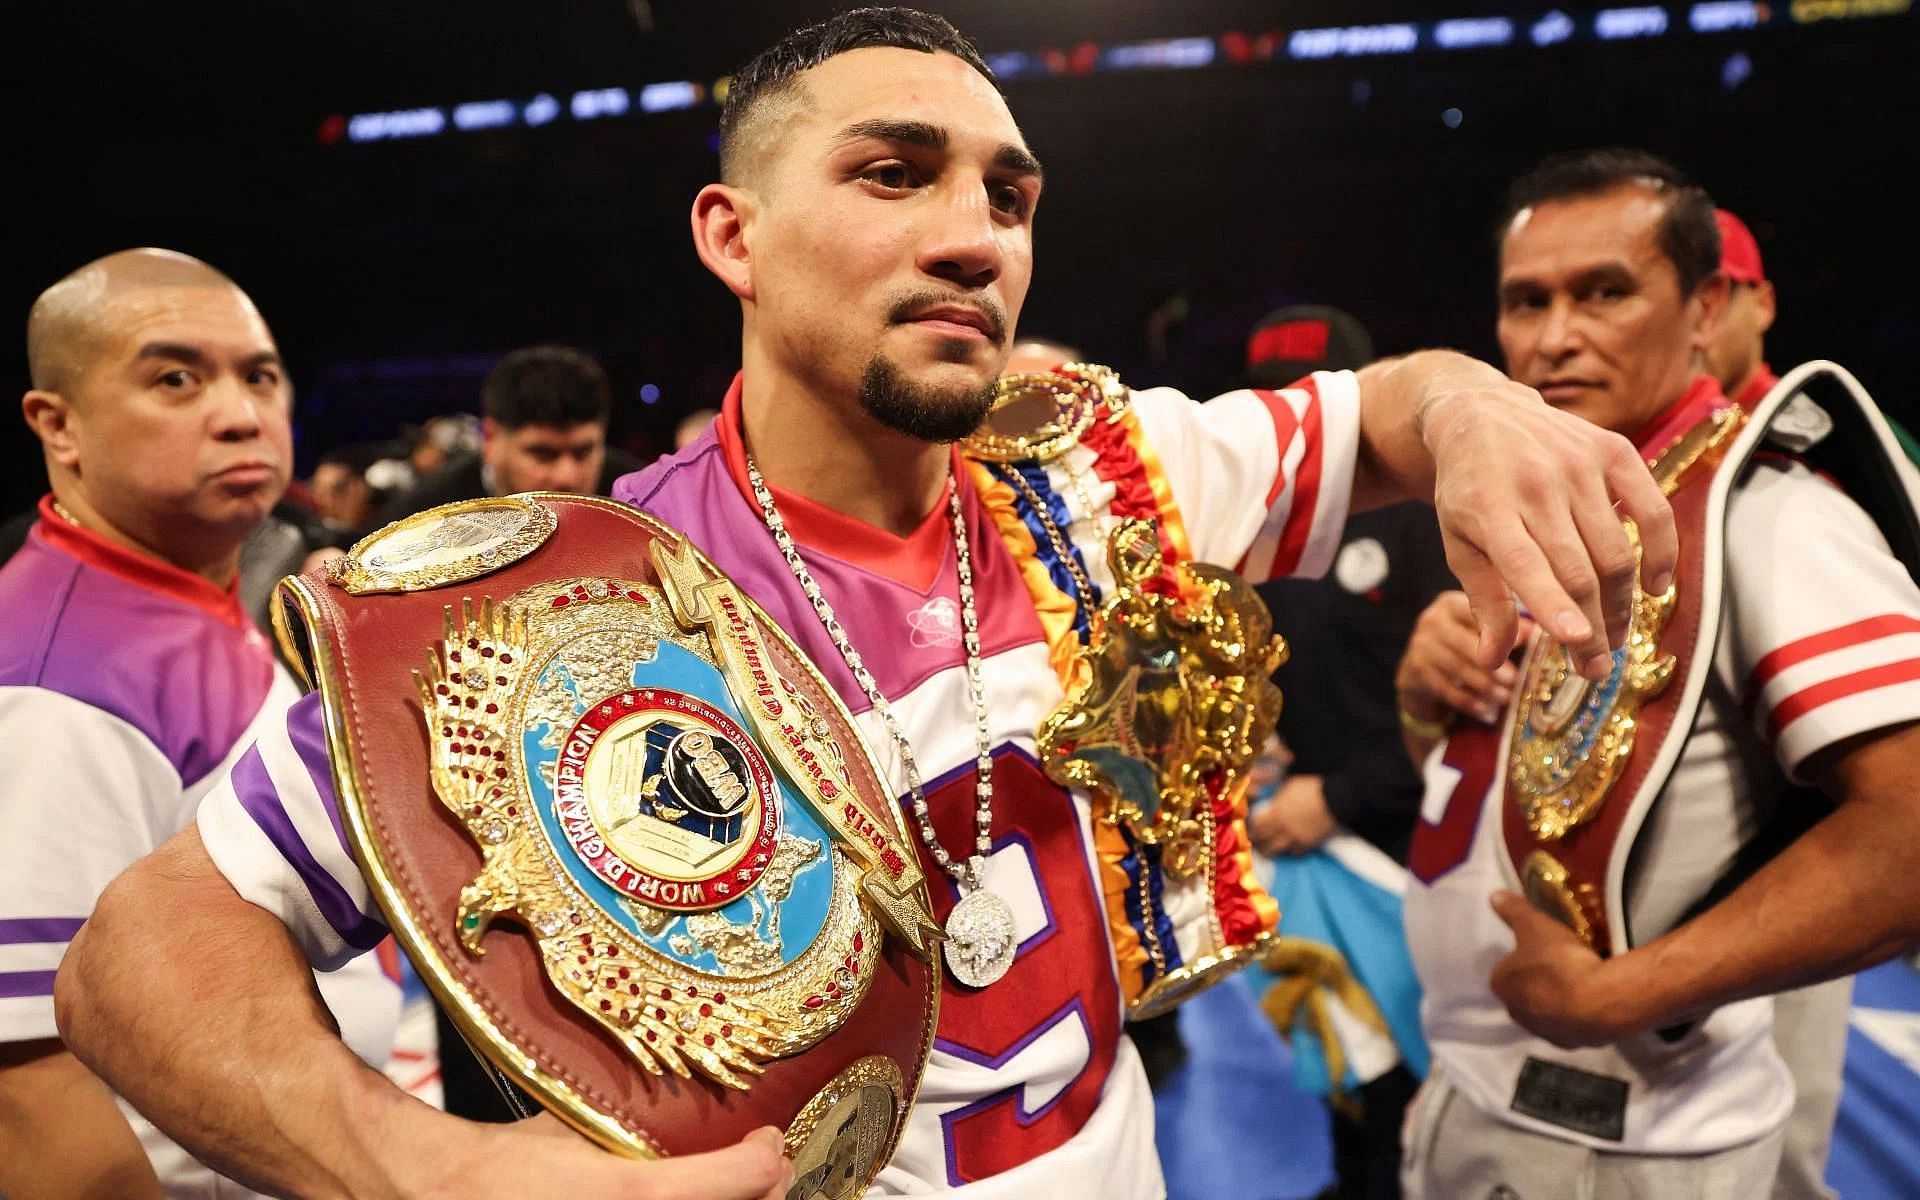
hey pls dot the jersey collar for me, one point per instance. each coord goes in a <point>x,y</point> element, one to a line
<point>1701,400</point>
<point>164,579</point>
<point>915,560</point>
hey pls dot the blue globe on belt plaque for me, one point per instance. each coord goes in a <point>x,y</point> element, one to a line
<point>660,805</point>
<point>666,798</point>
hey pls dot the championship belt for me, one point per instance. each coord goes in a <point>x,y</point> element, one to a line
<point>627,834</point>
<point>1574,740</point>
<point>1168,681</point>
<point>1584,760</point>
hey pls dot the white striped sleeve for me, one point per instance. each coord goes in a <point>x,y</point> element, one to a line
<point>83,796</point>
<point>1825,622</point>
<point>273,828</point>
<point>1263,478</point>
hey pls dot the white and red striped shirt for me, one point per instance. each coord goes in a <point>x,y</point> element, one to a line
<point>1820,643</point>
<point>1265,477</point>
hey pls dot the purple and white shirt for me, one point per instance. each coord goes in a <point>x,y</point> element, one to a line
<point>1031,1090</point>
<point>127,689</point>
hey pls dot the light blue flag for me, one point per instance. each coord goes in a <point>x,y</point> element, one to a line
<point>1344,973</point>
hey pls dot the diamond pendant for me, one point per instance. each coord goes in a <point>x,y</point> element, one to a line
<point>980,941</point>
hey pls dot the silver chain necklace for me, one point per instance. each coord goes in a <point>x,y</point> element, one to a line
<point>980,928</point>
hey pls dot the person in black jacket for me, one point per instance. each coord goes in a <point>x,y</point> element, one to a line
<point>543,428</point>
<point>1339,731</point>
<point>1345,634</point>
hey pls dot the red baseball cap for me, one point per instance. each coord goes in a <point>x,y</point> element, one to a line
<point>1739,253</point>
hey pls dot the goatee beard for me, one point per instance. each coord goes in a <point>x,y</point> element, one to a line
<point>901,405</point>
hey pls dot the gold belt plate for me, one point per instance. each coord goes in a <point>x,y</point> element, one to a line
<point>668,817</point>
<point>1573,736</point>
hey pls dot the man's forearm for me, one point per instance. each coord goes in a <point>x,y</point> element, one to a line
<point>61,1134</point>
<point>1434,721</point>
<point>1843,897</point>
<point>197,1007</point>
<point>1394,462</point>
<point>264,1090</point>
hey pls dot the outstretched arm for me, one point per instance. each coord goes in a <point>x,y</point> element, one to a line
<point>198,1008</point>
<point>1529,499</point>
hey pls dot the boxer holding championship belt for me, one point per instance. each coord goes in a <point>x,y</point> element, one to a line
<point>628,836</point>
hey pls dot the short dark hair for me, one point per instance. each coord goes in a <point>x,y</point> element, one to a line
<point>1689,236</point>
<point>775,71</point>
<point>546,385</point>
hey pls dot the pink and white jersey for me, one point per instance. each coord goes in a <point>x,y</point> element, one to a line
<point>1032,1090</point>
<point>128,688</point>
<point>1820,642</point>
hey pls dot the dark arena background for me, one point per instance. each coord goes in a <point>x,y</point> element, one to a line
<point>409,189</point>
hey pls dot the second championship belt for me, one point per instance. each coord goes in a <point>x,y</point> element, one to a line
<point>625,831</point>
<point>1586,761</point>
<point>1165,663</point>
<point>1585,758</point>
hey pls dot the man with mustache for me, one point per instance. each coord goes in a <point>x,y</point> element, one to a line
<point>1750,829</point>
<point>130,674</point>
<point>874,219</point>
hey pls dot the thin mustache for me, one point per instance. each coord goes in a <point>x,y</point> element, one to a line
<point>906,306</point>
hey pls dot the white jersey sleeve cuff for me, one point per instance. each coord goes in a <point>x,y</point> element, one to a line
<point>1263,478</point>
<point>270,829</point>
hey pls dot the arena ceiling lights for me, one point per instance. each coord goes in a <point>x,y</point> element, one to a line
<point>1541,31</point>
